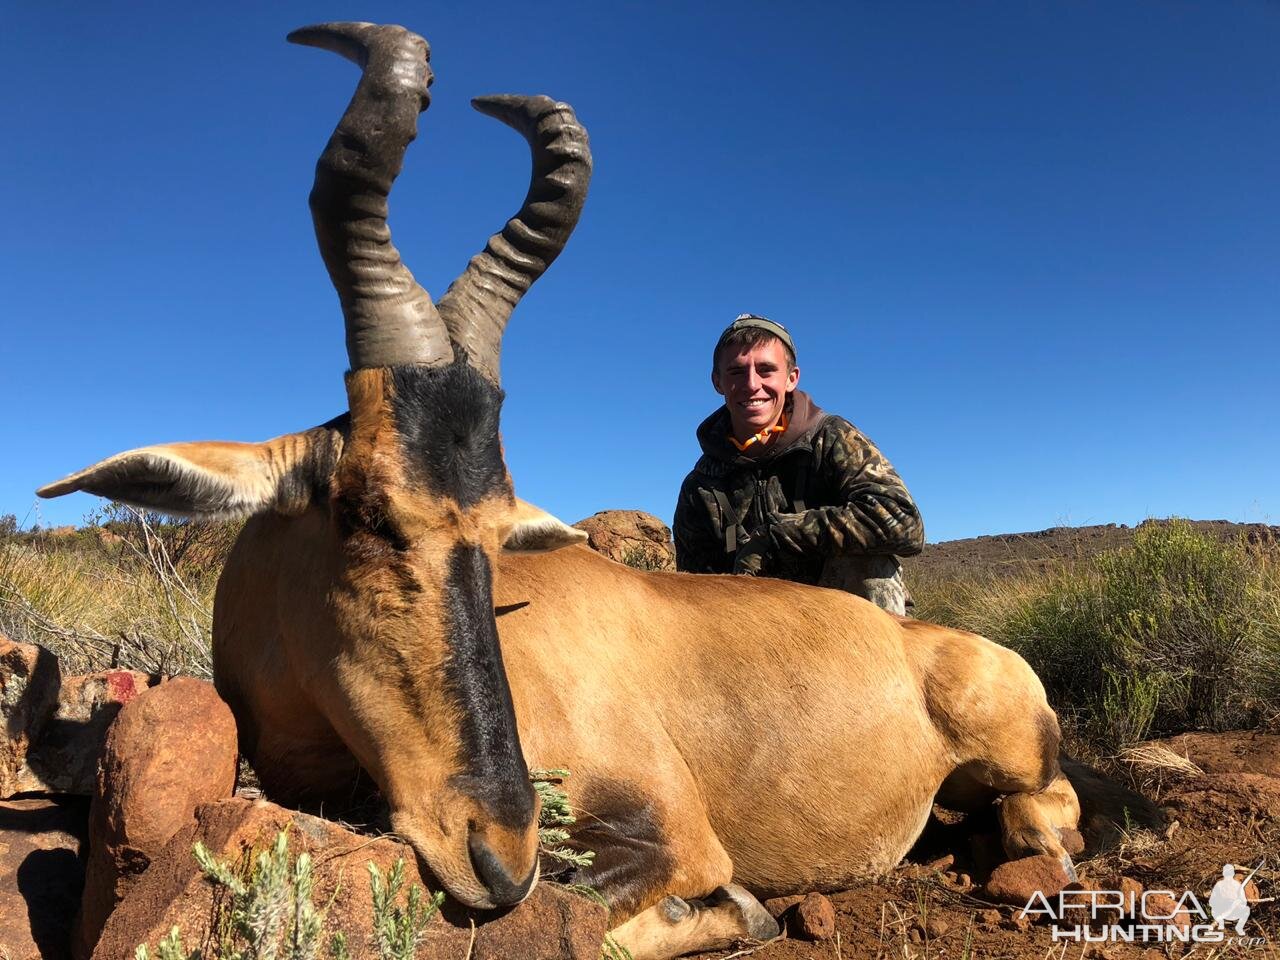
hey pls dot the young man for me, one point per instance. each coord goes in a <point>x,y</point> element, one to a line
<point>785,490</point>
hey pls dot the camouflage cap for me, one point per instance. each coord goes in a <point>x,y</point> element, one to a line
<point>750,320</point>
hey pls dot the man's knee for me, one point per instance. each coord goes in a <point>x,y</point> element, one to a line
<point>877,578</point>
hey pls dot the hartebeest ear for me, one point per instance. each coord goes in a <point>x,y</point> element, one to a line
<point>215,479</point>
<point>536,531</point>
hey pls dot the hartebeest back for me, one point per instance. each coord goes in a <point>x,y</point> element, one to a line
<point>372,615</point>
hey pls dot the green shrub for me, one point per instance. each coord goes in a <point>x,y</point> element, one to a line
<point>646,558</point>
<point>555,816</point>
<point>1179,631</point>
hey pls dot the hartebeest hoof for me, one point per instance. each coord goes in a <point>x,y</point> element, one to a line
<point>759,923</point>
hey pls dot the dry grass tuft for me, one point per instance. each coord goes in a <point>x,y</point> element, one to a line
<point>130,590</point>
<point>1157,758</point>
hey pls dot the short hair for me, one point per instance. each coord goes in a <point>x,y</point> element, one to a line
<point>745,339</point>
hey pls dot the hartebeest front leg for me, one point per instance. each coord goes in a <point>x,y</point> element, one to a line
<point>663,871</point>
<point>675,926</point>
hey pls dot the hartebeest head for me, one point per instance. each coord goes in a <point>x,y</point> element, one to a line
<point>409,490</point>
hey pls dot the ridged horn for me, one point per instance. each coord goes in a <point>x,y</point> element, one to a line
<point>477,305</point>
<point>390,319</point>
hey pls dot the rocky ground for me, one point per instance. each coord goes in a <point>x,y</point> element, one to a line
<point>1221,807</point>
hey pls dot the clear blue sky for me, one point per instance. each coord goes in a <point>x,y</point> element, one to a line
<point>1031,249</point>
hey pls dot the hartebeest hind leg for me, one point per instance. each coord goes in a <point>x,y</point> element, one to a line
<point>991,708</point>
<point>1032,823</point>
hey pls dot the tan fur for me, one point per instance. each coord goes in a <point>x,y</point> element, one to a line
<point>786,737</point>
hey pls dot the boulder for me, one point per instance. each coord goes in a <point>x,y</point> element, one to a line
<point>552,923</point>
<point>632,537</point>
<point>64,759</point>
<point>814,918</point>
<point>40,875</point>
<point>1015,882</point>
<point>29,679</point>
<point>169,750</point>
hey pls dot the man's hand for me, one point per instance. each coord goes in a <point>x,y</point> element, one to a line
<point>785,533</point>
<point>752,552</point>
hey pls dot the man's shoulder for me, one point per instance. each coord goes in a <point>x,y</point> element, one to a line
<point>835,426</point>
<point>707,468</point>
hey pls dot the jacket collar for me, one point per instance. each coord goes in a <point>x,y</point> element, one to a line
<point>805,418</point>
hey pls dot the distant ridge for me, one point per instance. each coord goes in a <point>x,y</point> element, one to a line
<point>1041,549</point>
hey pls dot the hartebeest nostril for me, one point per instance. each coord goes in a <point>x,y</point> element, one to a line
<point>503,890</point>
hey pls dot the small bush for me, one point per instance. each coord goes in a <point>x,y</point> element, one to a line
<point>646,558</point>
<point>1179,631</point>
<point>555,816</point>
<point>266,912</point>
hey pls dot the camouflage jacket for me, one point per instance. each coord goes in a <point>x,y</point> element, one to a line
<point>820,490</point>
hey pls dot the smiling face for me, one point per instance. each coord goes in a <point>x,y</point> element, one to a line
<point>754,381</point>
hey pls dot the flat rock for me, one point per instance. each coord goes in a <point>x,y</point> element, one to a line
<point>1015,882</point>
<point>777,906</point>
<point>64,759</point>
<point>170,749</point>
<point>29,680</point>
<point>552,923</point>
<point>40,875</point>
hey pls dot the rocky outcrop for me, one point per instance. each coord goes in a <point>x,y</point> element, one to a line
<point>170,750</point>
<point>632,537</point>
<point>552,923</point>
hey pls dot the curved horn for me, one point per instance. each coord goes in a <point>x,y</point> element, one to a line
<point>478,304</point>
<point>390,319</point>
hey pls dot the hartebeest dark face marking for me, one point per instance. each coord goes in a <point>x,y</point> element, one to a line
<point>496,773</point>
<point>447,423</point>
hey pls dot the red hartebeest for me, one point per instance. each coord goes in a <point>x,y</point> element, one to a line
<point>382,611</point>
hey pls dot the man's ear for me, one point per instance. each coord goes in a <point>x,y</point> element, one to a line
<point>536,531</point>
<point>793,378</point>
<point>216,479</point>
<point>715,380</point>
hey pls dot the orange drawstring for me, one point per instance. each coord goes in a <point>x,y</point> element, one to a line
<point>762,437</point>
